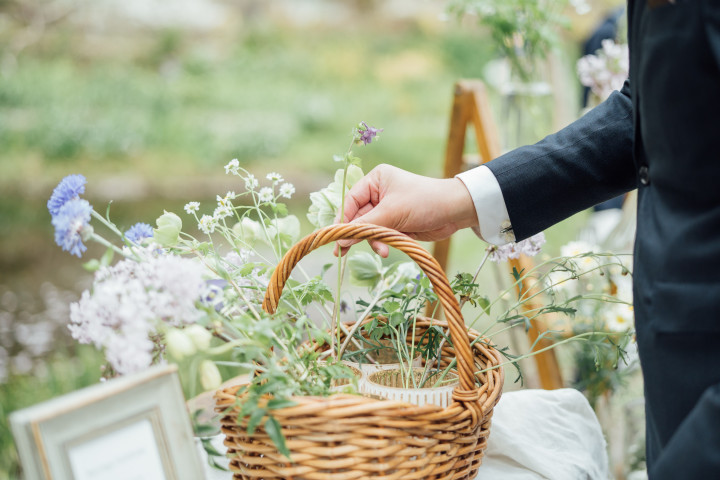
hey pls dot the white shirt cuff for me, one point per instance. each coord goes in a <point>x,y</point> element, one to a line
<point>493,220</point>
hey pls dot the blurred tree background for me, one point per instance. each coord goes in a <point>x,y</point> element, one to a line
<point>150,98</point>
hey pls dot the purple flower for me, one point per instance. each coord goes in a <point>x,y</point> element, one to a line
<point>367,133</point>
<point>69,188</point>
<point>69,222</point>
<point>213,295</point>
<point>138,232</point>
<point>531,246</point>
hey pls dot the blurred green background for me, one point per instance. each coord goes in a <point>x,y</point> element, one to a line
<point>150,99</point>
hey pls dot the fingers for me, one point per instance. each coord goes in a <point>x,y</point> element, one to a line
<point>359,198</point>
<point>378,247</point>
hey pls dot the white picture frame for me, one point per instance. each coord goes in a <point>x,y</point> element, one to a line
<point>136,426</point>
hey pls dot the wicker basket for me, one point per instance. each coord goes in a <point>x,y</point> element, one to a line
<point>347,437</point>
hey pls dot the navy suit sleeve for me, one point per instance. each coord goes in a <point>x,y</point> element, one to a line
<point>584,164</point>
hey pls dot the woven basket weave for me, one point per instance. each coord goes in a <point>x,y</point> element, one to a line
<point>348,437</point>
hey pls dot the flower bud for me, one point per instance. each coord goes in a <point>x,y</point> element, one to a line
<point>178,344</point>
<point>168,229</point>
<point>199,336</point>
<point>210,378</point>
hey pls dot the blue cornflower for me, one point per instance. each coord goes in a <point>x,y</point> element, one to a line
<point>69,223</point>
<point>138,232</point>
<point>69,188</point>
<point>367,133</point>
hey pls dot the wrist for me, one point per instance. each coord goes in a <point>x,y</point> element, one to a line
<point>459,203</point>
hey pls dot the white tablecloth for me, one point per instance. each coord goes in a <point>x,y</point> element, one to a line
<point>535,435</point>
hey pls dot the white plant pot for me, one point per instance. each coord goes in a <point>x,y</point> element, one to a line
<point>388,384</point>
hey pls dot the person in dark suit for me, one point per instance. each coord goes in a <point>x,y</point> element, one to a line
<point>659,134</point>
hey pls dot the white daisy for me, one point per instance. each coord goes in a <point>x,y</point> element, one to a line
<point>207,224</point>
<point>251,182</point>
<point>222,211</point>
<point>286,190</point>
<point>274,177</point>
<point>266,195</point>
<point>232,167</point>
<point>192,207</point>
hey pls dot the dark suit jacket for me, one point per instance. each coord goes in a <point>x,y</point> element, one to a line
<point>661,135</point>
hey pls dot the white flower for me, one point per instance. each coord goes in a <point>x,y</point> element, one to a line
<point>619,318</point>
<point>581,250</point>
<point>239,258</point>
<point>232,167</point>
<point>226,200</point>
<point>289,226</point>
<point>502,253</point>
<point>192,207</point>
<point>274,177</point>
<point>286,190</point>
<point>325,204</point>
<point>222,211</point>
<point>581,6</point>
<point>251,182</point>
<point>248,230</point>
<point>266,195</point>
<point>562,281</point>
<point>207,224</point>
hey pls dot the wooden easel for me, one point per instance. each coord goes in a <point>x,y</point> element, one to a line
<point>471,106</point>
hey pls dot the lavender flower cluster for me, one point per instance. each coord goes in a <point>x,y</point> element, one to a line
<point>530,246</point>
<point>133,302</point>
<point>605,71</point>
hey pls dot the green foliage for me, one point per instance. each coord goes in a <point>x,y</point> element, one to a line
<point>522,30</point>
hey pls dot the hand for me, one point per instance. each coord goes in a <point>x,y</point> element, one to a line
<point>423,208</point>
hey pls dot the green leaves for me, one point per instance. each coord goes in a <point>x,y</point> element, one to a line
<point>273,429</point>
<point>365,269</point>
<point>95,264</point>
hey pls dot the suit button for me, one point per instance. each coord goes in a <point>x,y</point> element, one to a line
<point>644,174</point>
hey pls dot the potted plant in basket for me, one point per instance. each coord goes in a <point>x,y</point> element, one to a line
<point>233,300</point>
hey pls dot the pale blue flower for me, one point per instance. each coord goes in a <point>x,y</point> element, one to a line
<point>69,188</point>
<point>138,232</point>
<point>69,223</point>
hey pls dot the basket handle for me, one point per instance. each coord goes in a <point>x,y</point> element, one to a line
<point>468,392</point>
